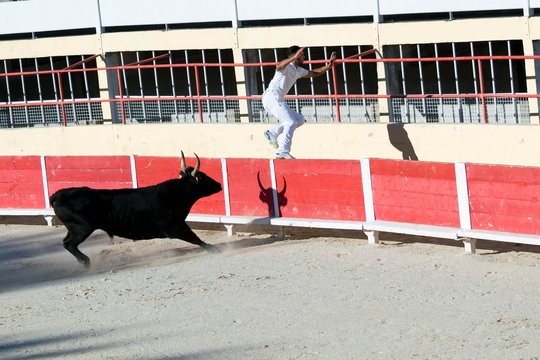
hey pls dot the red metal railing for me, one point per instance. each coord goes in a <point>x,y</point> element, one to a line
<point>334,95</point>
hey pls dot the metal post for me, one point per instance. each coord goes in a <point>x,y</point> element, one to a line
<point>199,102</point>
<point>62,105</point>
<point>482,93</point>
<point>121,95</point>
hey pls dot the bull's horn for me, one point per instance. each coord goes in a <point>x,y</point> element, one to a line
<point>196,170</point>
<point>183,162</point>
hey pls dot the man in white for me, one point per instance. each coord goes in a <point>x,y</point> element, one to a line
<point>287,72</point>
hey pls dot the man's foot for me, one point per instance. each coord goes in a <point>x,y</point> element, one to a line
<point>272,140</point>
<point>284,155</point>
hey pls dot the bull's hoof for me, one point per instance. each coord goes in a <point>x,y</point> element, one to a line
<point>85,263</point>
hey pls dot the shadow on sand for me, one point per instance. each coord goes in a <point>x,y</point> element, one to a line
<point>34,255</point>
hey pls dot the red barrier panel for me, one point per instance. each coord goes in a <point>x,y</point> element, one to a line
<point>99,172</point>
<point>250,187</point>
<point>155,169</point>
<point>320,189</point>
<point>415,192</point>
<point>21,182</point>
<point>504,198</point>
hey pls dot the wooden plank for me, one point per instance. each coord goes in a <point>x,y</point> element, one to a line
<point>506,223</point>
<point>417,216</point>
<point>511,174</point>
<point>18,176</point>
<point>90,175</point>
<point>87,162</point>
<point>20,162</point>
<point>405,168</point>
<point>415,184</point>
<point>414,200</point>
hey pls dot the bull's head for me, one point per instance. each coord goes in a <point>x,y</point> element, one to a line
<point>204,184</point>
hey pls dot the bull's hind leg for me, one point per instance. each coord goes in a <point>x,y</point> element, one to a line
<point>186,234</point>
<point>71,243</point>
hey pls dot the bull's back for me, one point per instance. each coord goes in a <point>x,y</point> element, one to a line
<point>130,213</point>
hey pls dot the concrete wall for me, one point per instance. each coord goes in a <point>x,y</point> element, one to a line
<point>477,143</point>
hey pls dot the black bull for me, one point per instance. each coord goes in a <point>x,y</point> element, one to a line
<point>157,211</point>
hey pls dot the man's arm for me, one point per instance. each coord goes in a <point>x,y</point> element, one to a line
<point>321,70</point>
<point>283,63</point>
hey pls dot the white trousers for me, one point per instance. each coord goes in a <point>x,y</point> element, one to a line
<point>289,119</point>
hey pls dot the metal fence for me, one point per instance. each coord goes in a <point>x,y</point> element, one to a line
<point>185,87</point>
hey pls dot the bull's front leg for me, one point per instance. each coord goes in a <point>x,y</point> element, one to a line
<point>188,235</point>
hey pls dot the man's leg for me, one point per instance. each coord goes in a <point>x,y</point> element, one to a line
<point>294,120</point>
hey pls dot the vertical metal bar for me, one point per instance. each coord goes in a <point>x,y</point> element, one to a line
<point>157,88</point>
<point>62,105</point>
<point>295,87</point>
<point>475,81</point>
<point>25,99</point>
<point>312,86</point>
<point>222,83</point>
<point>439,88</point>
<point>190,92</point>
<point>54,78</point>
<point>261,69</point>
<point>405,99</point>
<point>328,78</point>
<point>263,81</point>
<point>141,88</point>
<point>199,102</point>
<point>121,95</point>
<point>456,75</point>
<point>512,89</point>
<point>493,84</point>
<point>121,80</point>
<point>173,85</point>
<point>362,83</point>
<point>345,84</point>
<point>336,96</point>
<point>482,93</point>
<point>205,78</point>
<point>70,82</point>
<point>9,100</point>
<point>87,88</point>
<point>421,74</point>
<point>39,91</point>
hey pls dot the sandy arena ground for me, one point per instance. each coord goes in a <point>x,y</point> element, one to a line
<point>318,294</point>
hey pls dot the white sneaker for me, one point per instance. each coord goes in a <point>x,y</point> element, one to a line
<point>272,140</point>
<point>284,155</point>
